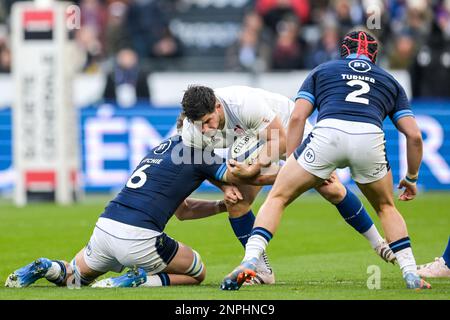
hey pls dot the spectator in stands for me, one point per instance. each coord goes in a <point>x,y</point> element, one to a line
<point>327,49</point>
<point>402,52</point>
<point>167,46</point>
<point>5,58</point>
<point>115,33</point>
<point>376,16</point>
<point>443,18</point>
<point>318,11</point>
<point>275,11</point>
<point>127,82</point>
<point>346,14</point>
<point>250,52</point>
<point>147,25</point>
<point>419,20</point>
<point>93,15</point>
<point>430,74</point>
<point>88,43</point>
<point>289,52</point>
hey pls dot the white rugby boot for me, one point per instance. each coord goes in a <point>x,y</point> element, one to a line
<point>435,269</point>
<point>264,272</point>
<point>385,252</point>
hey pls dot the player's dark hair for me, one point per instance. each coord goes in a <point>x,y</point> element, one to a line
<point>198,101</point>
<point>361,43</point>
<point>180,119</point>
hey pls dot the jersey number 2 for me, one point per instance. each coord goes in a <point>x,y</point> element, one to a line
<point>139,173</point>
<point>355,95</point>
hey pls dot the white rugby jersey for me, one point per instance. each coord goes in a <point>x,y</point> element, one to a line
<point>247,111</point>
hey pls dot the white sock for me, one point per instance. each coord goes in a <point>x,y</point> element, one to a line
<point>54,271</point>
<point>406,261</point>
<point>256,245</point>
<point>152,281</point>
<point>373,236</point>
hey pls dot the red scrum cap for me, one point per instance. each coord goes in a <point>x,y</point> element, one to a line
<point>361,43</point>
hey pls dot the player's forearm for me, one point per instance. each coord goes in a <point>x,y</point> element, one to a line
<point>414,152</point>
<point>197,209</point>
<point>296,128</point>
<point>414,145</point>
<point>259,180</point>
<point>272,151</point>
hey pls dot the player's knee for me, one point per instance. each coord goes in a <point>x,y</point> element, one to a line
<point>78,276</point>
<point>385,209</point>
<point>278,199</point>
<point>197,269</point>
<point>202,276</point>
<point>334,192</point>
<point>238,209</point>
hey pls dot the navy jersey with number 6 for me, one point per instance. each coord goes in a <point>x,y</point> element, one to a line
<point>163,179</point>
<point>355,89</point>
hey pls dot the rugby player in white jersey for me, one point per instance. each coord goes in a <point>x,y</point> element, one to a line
<point>215,117</point>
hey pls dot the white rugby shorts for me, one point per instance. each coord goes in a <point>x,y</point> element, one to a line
<point>115,245</point>
<point>339,144</point>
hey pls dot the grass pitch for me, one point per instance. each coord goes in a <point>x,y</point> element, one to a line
<point>315,254</point>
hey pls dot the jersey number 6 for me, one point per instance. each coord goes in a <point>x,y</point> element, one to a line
<point>355,95</point>
<point>139,173</point>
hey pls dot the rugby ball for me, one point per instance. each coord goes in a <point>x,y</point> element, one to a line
<point>246,148</point>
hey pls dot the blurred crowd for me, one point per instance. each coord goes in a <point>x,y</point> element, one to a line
<point>274,35</point>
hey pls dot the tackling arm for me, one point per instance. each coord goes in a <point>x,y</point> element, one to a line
<point>259,180</point>
<point>196,209</point>
<point>296,127</point>
<point>275,136</point>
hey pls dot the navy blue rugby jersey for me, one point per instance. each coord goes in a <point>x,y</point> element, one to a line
<point>355,89</point>
<point>167,175</point>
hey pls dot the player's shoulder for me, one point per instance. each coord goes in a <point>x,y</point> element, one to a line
<point>326,67</point>
<point>165,146</point>
<point>232,90</point>
<point>380,71</point>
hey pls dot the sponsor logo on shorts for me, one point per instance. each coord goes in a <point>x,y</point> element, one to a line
<point>379,170</point>
<point>88,249</point>
<point>309,155</point>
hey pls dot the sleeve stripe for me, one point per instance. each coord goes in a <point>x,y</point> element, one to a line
<point>221,171</point>
<point>402,113</point>
<point>305,95</point>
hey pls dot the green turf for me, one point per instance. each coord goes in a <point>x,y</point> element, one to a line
<point>315,255</point>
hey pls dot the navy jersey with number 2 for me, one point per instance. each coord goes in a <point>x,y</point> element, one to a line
<point>164,178</point>
<point>355,89</point>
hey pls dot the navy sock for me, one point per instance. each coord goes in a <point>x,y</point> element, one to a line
<point>242,226</point>
<point>165,280</point>
<point>354,213</point>
<point>446,255</point>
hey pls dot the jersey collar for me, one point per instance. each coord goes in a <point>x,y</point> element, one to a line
<point>225,111</point>
<point>358,56</point>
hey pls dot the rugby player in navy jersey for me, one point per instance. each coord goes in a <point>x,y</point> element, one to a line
<point>130,232</point>
<point>352,96</point>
